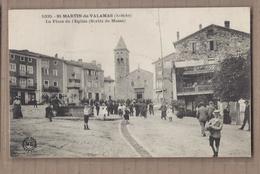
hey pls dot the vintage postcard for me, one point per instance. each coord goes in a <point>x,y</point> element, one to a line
<point>150,82</point>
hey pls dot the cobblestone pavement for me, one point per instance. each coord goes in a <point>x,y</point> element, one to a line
<point>65,137</point>
<point>182,138</point>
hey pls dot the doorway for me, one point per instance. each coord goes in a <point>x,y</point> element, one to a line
<point>139,95</point>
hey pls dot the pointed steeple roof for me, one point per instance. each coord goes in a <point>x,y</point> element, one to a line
<point>121,44</point>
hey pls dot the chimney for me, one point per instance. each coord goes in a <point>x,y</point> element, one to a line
<point>200,26</point>
<point>79,60</point>
<point>178,35</point>
<point>94,62</point>
<point>227,24</point>
<point>56,55</point>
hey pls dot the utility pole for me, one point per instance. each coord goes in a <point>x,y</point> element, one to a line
<point>160,33</point>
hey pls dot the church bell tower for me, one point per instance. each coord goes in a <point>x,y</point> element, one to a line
<point>121,60</point>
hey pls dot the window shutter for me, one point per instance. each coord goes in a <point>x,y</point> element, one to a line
<point>215,45</point>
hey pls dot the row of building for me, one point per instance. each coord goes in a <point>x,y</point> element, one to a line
<point>186,74</point>
<point>35,76</point>
<point>183,75</point>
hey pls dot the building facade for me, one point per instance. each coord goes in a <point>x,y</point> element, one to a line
<point>51,76</point>
<point>93,81</point>
<point>109,88</point>
<point>23,73</point>
<point>38,76</point>
<point>163,86</point>
<point>197,57</point>
<point>140,84</point>
<point>202,52</point>
<point>137,84</point>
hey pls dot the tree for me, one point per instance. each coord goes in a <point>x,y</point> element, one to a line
<point>232,82</point>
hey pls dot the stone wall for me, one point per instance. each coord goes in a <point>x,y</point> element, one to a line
<point>225,41</point>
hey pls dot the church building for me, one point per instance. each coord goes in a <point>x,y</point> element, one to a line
<point>137,84</point>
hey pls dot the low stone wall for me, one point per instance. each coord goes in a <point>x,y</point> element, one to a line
<point>76,111</point>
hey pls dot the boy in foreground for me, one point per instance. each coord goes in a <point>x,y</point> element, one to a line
<point>215,126</point>
<point>87,114</point>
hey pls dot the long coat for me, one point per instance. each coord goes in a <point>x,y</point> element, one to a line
<point>202,113</point>
<point>17,110</point>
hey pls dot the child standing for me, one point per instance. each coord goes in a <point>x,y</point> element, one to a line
<point>87,114</point>
<point>163,111</point>
<point>215,126</point>
<point>169,114</point>
<point>120,110</point>
<point>126,114</point>
<point>104,111</point>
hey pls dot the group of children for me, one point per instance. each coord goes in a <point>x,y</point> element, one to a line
<point>123,111</point>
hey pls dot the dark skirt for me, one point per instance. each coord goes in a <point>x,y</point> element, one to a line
<point>126,116</point>
<point>17,112</point>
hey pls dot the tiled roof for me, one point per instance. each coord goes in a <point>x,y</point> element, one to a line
<point>167,57</point>
<point>25,52</point>
<point>211,26</point>
<point>70,62</point>
<point>140,70</point>
<point>33,54</point>
<point>91,66</point>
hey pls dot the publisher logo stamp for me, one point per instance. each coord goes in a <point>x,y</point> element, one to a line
<point>29,144</point>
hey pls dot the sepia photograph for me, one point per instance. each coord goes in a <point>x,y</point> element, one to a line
<point>130,82</point>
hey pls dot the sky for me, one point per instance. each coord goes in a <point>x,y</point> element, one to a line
<point>96,41</point>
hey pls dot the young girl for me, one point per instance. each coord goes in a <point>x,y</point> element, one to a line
<point>169,114</point>
<point>103,111</point>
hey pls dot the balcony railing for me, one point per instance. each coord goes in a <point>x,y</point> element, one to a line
<point>197,89</point>
<point>24,74</point>
<point>28,87</point>
<point>50,89</point>
<point>74,85</point>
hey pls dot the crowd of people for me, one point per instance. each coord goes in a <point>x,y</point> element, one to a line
<point>122,108</point>
<point>209,116</point>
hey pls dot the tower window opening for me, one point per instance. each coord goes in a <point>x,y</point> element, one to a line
<point>122,60</point>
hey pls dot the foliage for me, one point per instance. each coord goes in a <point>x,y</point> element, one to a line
<point>201,99</point>
<point>232,81</point>
<point>178,104</point>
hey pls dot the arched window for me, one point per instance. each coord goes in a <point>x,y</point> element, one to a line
<point>122,60</point>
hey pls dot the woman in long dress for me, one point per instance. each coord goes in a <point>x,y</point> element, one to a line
<point>17,108</point>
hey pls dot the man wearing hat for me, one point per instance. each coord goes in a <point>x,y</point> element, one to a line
<point>215,126</point>
<point>247,116</point>
<point>202,115</point>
